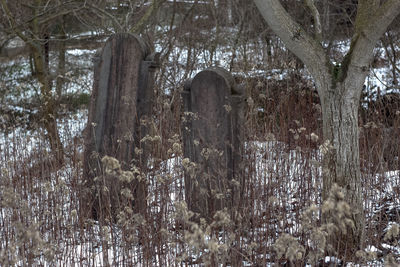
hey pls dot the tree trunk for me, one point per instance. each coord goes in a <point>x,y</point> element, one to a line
<point>41,62</point>
<point>341,160</point>
<point>61,60</point>
<point>339,88</point>
<point>49,111</point>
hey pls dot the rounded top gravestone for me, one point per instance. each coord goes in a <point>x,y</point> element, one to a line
<point>210,101</point>
<point>114,96</point>
<point>122,96</point>
<point>211,139</point>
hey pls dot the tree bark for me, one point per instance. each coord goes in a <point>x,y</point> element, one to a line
<point>341,161</point>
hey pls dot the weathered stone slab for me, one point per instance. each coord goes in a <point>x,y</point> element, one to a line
<point>212,140</point>
<point>122,96</point>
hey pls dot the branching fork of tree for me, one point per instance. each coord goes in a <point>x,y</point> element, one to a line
<point>339,87</point>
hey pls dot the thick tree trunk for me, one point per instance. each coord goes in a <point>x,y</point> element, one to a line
<point>341,160</point>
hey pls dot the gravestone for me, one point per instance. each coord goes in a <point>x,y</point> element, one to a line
<point>122,96</point>
<point>212,139</point>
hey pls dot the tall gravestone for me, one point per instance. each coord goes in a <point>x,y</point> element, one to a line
<point>212,139</point>
<point>122,96</point>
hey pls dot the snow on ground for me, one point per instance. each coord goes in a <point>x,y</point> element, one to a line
<point>20,143</point>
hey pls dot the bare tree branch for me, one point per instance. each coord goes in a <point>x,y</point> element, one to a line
<point>317,19</point>
<point>12,22</point>
<point>369,29</point>
<point>102,11</point>
<point>306,48</point>
<point>138,27</point>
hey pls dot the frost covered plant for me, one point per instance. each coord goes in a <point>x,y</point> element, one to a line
<point>129,222</point>
<point>365,256</point>
<point>287,246</point>
<point>325,147</point>
<point>25,244</point>
<point>392,233</point>
<point>189,167</point>
<point>337,219</point>
<point>149,138</point>
<point>390,261</point>
<point>208,153</point>
<point>176,146</point>
<point>222,219</point>
<point>337,212</point>
<point>209,242</point>
<point>317,235</point>
<point>111,165</point>
<point>392,238</point>
<point>314,137</point>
